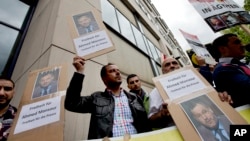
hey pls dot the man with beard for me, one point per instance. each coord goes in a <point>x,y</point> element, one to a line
<point>7,111</point>
<point>134,84</point>
<point>159,115</point>
<point>114,112</point>
<point>210,126</point>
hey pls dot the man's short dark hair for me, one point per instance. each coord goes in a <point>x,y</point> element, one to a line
<point>131,76</point>
<point>104,70</point>
<point>7,78</point>
<point>221,41</point>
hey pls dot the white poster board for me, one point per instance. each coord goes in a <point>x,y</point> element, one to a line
<point>181,84</point>
<point>221,14</point>
<point>198,47</point>
<point>38,114</point>
<point>89,34</point>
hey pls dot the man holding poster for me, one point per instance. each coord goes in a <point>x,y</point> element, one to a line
<point>114,112</point>
<point>158,111</point>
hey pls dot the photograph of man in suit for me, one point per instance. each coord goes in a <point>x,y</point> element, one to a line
<point>46,83</point>
<point>210,123</point>
<point>85,23</point>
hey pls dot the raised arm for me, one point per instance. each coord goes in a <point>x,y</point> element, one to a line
<point>74,101</point>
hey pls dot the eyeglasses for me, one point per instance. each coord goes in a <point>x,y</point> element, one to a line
<point>6,88</point>
<point>169,63</point>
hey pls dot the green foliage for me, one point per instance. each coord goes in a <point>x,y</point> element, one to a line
<point>247,5</point>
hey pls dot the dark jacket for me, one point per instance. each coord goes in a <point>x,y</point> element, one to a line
<point>101,106</point>
<point>206,73</point>
<point>233,79</point>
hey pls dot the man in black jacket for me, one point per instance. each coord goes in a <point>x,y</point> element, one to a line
<point>230,73</point>
<point>114,112</point>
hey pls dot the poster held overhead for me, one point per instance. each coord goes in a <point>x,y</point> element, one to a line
<point>89,34</point>
<point>198,47</point>
<point>220,14</point>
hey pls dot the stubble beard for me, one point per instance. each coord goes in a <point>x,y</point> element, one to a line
<point>3,105</point>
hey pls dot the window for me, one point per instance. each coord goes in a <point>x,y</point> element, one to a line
<point>156,69</point>
<point>14,21</point>
<point>8,38</point>
<point>117,21</point>
<point>155,54</point>
<point>139,40</point>
<point>109,15</point>
<point>125,27</point>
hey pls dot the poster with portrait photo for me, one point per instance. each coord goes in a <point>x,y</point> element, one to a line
<point>43,115</point>
<point>89,35</point>
<point>230,19</point>
<point>210,11</point>
<point>85,23</point>
<point>216,23</point>
<point>46,83</point>
<point>183,85</point>
<point>207,118</point>
<point>244,16</point>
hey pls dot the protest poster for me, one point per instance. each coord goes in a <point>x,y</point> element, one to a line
<point>182,86</point>
<point>89,34</point>
<point>38,114</point>
<point>170,133</point>
<point>41,117</point>
<point>221,14</point>
<point>198,47</point>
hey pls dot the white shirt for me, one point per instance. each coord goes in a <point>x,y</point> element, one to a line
<point>155,102</point>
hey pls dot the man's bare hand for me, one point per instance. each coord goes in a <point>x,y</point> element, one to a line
<point>78,63</point>
<point>164,110</point>
<point>224,96</point>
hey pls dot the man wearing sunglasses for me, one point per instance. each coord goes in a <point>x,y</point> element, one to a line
<point>158,112</point>
<point>7,111</point>
<point>231,74</point>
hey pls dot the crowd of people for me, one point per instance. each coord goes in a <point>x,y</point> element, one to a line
<point>116,111</point>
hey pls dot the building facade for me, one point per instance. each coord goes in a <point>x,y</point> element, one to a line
<point>39,36</point>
